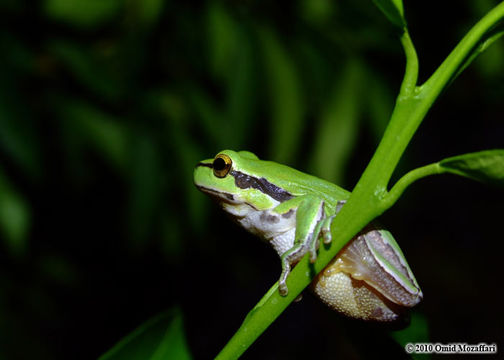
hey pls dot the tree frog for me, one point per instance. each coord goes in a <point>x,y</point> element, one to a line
<point>369,279</point>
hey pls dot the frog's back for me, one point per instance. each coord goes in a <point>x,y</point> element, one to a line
<point>297,182</point>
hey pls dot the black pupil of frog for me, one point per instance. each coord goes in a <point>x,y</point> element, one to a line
<point>219,164</point>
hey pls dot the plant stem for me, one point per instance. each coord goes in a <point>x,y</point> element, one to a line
<point>408,85</point>
<point>405,181</point>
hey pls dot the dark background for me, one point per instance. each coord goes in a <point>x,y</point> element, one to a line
<point>105,108</point>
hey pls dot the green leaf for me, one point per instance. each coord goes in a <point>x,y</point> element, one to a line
<point>147,12</point>
<point>486,166</point>
<point>175,109</point>
<point>19,137</point>
<point>416,332</point>
<point>336,135</point>
<point>161,337</point>
<point>102,131</point>
<point>480,47</point>
<point>223,39</point>
<point>145,183</point>
<point>317,12</point>
<point>489,64</point>
<point>82,13</point>
<point>210,118</point>
<point>14,218</point>
<point>240,96</point>
<point>476,41</point>
<point>393,10</point>
<point>286,97</point>
<point>90,67</point>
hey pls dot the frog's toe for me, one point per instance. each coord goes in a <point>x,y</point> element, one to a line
<point>282,288</point>
<point>327,237</point>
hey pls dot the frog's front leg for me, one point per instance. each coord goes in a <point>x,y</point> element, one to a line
<point>326,225</point>
<point>312,218</point>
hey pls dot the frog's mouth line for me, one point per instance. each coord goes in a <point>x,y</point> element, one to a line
<point>218,194</point>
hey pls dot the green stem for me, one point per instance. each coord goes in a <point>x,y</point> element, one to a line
<point>411,73</point>
<point>405,119</point>
<point>405,181</point>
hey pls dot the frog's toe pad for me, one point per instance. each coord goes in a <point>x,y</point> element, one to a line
<point>282,289</point>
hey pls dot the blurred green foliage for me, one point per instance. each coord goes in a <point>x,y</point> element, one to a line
<point>159,338</point>
<point>105,108</point>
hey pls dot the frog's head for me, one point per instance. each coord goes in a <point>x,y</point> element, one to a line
<point>237,178</point>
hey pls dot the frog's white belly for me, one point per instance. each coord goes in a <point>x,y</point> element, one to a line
<point>277,229</point>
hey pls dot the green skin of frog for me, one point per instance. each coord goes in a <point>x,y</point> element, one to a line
<point>369,279</point>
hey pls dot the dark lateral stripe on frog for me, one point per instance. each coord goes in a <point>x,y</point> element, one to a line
<point>244,181</point>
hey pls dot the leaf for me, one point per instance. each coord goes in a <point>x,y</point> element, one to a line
<point>393,10</point>
<point>15,218</point>
<point>100,130</point>
<point>477,40</point>
<point>317,12</point>
<point>144,200</point>
<point>485,166</point>
<point>481,46</point>
<point>210,117</point>
<point>174,109</point>
<point>90,67</point>
<point>82,13</point>
<point>20,126</point>
<point>336,135</point>
<point>286,97</point>
<point>416,332</point>
<point>223,39</point>
<point>489,64</point>
<point>19,137</point>
<point>240,96</point>
<point>147,12</point>
<point>231,61</point>
<point>161,337</point>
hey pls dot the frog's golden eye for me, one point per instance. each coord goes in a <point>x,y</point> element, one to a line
<point>221,165</point>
